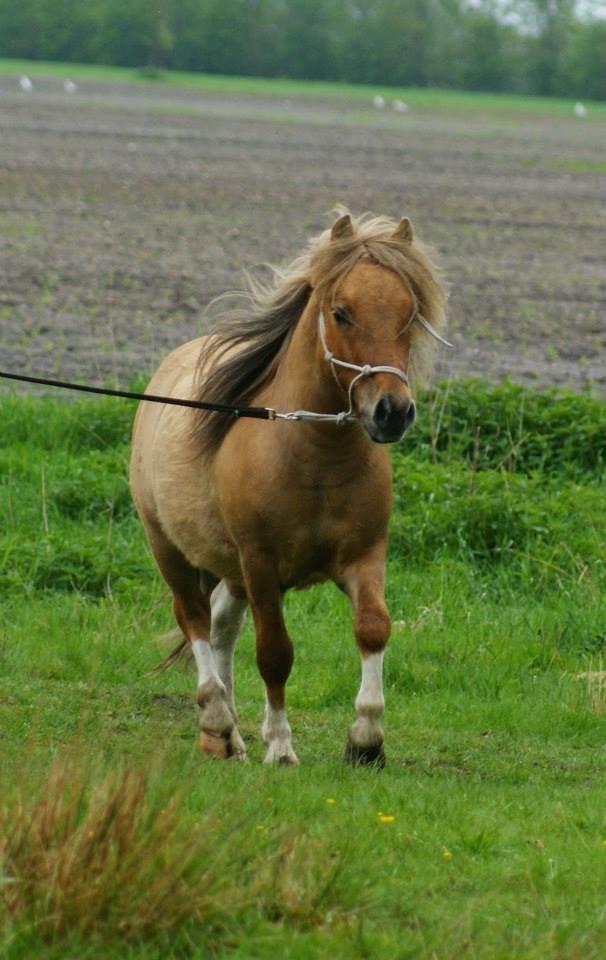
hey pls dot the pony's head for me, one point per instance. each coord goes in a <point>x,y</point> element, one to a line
<point>381,309</point>
<point>378,301</point>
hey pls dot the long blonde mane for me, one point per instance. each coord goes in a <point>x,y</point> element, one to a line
<point>261,324</point>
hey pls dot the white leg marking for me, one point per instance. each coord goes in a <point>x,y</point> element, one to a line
<point>205,662</point>
<point>370,701</point>
<point>217,719</point>
<point>367,731</point>
<point>277,735</point>
<point>227,614</point>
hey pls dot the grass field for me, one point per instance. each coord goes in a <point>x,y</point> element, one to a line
<point>484,837</point>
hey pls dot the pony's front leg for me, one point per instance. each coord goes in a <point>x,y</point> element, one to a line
<point>365,587</point>
<point>274,659</point>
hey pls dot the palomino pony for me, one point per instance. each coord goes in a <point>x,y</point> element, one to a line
<point>239,511</point>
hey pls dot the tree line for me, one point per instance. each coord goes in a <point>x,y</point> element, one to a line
<point>524,46</point>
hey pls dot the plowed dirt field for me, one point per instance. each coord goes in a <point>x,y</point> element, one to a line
<point>125,208</point>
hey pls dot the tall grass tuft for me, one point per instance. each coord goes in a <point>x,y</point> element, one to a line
<point>113,857</point>
<point>595,682</point>
<point>119,857</point>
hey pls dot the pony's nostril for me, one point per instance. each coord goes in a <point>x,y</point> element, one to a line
<point>383,411</point>
<point>393,416</point>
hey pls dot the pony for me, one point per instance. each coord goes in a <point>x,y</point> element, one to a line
<point>239,511</point>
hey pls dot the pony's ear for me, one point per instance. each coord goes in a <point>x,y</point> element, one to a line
<point>403,231</point>
<point>342,228</point>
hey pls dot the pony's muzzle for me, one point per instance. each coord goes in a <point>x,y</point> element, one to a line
<point>391,417</point>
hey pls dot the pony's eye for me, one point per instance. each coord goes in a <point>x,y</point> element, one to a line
<point>341,317</point>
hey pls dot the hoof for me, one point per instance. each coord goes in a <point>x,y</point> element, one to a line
<point>223,747</point>
<point>214,745</point>
<point>365,756</point>
<point>287,761</point>
<point>281,756</point>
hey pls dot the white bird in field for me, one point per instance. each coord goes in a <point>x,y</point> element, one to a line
<point>399,106</point>
<point>69,86</point>
<point>26,84</point>
<point>378,102</point>
<point>580,110</point>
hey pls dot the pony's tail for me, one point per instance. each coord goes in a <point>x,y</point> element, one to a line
<point>178,654</point>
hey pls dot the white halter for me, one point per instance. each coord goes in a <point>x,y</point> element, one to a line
<point>363,371</point>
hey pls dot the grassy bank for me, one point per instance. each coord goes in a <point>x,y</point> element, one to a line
<point>443,100</point>
<point>485,836</point>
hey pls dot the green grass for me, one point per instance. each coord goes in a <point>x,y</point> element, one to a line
<point>432,99</point>
<point>484,837</point>
<point>579,166</point>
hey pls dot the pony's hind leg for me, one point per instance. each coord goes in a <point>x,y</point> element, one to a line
<point>228,606</point>
<point>219,735</point>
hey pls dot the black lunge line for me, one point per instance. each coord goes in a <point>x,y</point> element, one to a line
<point>259,413</point>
